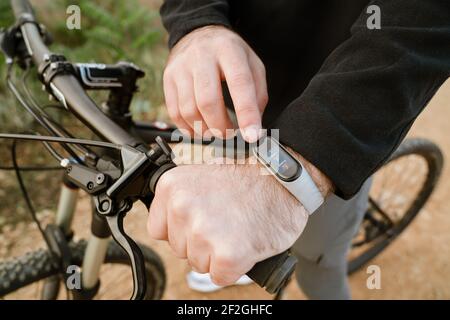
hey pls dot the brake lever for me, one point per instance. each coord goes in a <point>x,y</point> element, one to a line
<point>113,198</point>
<point>130,186</point>
<point>115,223</point>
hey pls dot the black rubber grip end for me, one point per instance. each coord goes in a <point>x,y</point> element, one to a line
<point>274,272</point>
<point>158,173</point>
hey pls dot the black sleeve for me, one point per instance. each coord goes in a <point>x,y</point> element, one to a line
<point>361,103</point>
<point>363,100</point>
<point>182,16</point>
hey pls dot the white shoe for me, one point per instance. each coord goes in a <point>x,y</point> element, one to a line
<point>202,282</point>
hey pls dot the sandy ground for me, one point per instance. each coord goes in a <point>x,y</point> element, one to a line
<point>415,266</point>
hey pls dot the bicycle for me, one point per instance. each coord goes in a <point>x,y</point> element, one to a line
<point>124,166</point>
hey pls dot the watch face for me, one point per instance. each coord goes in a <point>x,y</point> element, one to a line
<point>278,160</point>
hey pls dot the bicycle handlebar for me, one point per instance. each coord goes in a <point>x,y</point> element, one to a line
<point>21,7</point>
<point>271,273</point>
<point>66,87</point>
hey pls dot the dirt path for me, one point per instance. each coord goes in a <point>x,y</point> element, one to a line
<point>416,266</point>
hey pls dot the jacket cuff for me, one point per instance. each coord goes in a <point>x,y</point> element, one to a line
<point>186,26</point>
<point>312,131</point>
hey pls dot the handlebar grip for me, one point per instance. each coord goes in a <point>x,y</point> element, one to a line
<point>21,7</point>
<point>274,272</point>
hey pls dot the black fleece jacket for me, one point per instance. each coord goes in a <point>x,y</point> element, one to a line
<point>342,95</point>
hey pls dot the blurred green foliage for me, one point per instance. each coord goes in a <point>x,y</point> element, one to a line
<point>8,119</point>
<point>111,31</point>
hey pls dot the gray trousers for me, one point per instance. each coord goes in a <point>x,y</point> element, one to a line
<point>323,246</point>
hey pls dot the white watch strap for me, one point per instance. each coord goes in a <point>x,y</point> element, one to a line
<point>305,190</point>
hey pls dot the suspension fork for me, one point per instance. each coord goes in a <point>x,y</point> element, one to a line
<point>66,206</point>
<point>95,253</point>
<point>64,216</point>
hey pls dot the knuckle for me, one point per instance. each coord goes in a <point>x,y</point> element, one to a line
<point>219,279</point>
<point>241,79</point>
<point>155,231</point>
<point>223,277</point>
<point>260,65</point>
<point>225,43</point>
<point>208,102</point>
<point>195,264</point>
<point>178,251</point>
<point>155,234</point>
<point>174,114</point>
<point>198,53</point>
<point>234,41</point>
<point>199,236</point>
<point>204,82</point>
<point>180,206</point>
<point>198,267</point>
<point>149,227</point>
<point>189,112</point>
<point>264,99</point>
<point>168,73</point>
<point>227,261</point>
<point>165,182</point>
<point>246,111</point>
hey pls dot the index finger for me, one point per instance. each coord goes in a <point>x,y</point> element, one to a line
<point>239,78</point>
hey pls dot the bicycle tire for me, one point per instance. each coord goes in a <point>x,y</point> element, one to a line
<point>432,154</point>
<point>39,265</point>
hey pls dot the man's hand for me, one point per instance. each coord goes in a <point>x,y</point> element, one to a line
<point>192,83</point>
<point>225,218</point>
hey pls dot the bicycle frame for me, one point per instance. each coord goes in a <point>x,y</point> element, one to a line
<point>116,187</point>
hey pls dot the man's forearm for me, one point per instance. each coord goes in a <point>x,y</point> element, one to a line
<point>360,105</point>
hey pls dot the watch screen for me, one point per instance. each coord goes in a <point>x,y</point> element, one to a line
<point>278,160</point>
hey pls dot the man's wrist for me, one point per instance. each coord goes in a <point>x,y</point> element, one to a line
<point>205,31</point>
<point>322,182</point>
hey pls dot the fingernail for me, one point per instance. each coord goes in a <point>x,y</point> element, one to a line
<point>207,135</point>
<point>251,133</point>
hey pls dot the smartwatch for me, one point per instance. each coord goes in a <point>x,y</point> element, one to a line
<point>289,172</point>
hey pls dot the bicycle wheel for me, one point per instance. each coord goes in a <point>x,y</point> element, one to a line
<point>23,277</point>
<point>400,189</point>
